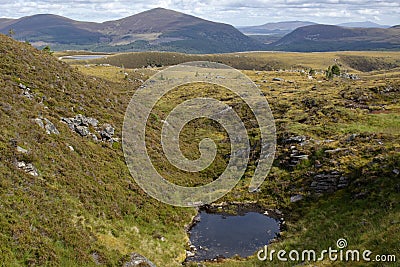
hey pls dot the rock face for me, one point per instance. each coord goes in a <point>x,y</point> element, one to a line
<point>27,167</point>
<point>328,183</point>
<point>81,125</point>
<point>137,260</point>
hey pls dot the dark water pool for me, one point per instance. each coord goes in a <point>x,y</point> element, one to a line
<point>222,235</point>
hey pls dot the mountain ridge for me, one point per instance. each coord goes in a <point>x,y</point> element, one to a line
<point>157,29</point>
<point>322,38</point>
<point>162,29</point>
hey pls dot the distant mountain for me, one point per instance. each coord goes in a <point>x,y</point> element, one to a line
<point>363,24</point>
<point>167,30</point>
<point>335,38</point>
<point>47,28</point>
<point>5,22</point>
<point>276,28</point>
<point>156,29</point>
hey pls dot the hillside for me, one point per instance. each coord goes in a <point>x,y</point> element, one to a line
<point>52,29</point>
<point>67,199</point>
<point>156,29</point>
<point>319,38</point>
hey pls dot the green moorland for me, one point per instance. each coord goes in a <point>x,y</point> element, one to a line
<point>84,208</point>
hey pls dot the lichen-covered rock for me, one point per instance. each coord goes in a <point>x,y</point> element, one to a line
<point>47,125</point>
<point>50,128</point>
<point>107,132</point>
<point>27,167</point>
<point>82,130</point>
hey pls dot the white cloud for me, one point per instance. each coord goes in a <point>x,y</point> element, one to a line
<point>237,12</point>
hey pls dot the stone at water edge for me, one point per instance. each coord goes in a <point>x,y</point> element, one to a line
<point>137,260</point>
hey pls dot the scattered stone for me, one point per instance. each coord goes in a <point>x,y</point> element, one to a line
<point>301,157</point>
<point>82,130</point>
<point>22,86</point>
<point>137,260</point>
<point>27,167</point>
<point>295,139</point>
<point>278,212</point>
<point>71,147</point>
<point>296,198</point>
<point>396,171</point>
<point>190,254</point>
<point>349,76</point>
<point>26,91</point>
<point>39,122</point>
<point>361,195</point>
<point>108,132</point>
<point>94,137</point>
<point>332,151</point>
<point>22,150</point>
<point>96,258</point>
<point>351,137</point>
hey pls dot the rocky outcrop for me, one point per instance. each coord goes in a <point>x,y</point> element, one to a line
<point>137,260</point>
<point>82,126</point>
<point>328,183</point>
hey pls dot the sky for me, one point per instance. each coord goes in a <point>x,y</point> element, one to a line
<point>235,12</point>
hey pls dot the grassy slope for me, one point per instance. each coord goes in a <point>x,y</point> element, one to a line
<point>85,201</point>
